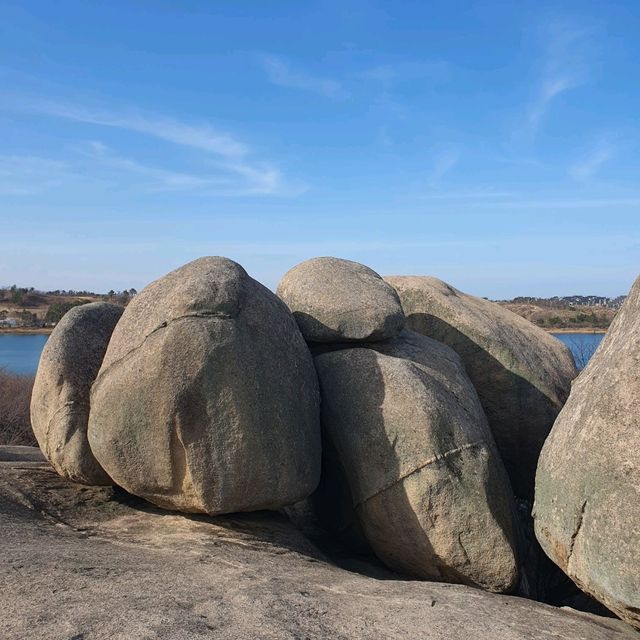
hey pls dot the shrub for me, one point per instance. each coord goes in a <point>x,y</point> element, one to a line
<point>15,398</point>
<point>58,309</point>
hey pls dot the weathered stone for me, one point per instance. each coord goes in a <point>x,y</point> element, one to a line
<point>207,400</point>
<point>423,474</point>
<point>587,507</point>
<point>522,374</point>
<point>68,366</point>
<point>335,300</point>
<point>96,563</point>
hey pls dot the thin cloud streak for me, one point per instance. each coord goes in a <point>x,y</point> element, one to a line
<point>281,73</point>
<point>588,166</point>
<point>391,74</point>
<point>202,136</point>
<point>564,68</point>
<point>472,195</point>
<point>444,162</point>
<point>245,176</point>
<point>260,182</point>
<point>24,175</point>
<point>161,178</point>
<point>561,204</point>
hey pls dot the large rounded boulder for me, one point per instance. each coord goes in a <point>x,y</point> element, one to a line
<point>207,399</point>
<point>587,503</point>
<point>522,374</point>
<point>422,473</point>
<point>335,300</point>
<point>69,364</point>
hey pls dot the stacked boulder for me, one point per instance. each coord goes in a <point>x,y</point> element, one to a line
<point>409,461</point>
<point>211,394</point>
<point>522,374</point>
<point>587,502</point>
<point>206,400</point>
<point>69,364</point>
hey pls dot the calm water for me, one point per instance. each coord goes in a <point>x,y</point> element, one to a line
<point>582,345</point>
<point>19,353</point>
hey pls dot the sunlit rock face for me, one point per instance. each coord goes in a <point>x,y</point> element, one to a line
<point>207,399</point>
<point>522,374</point>
<point>587,506</point>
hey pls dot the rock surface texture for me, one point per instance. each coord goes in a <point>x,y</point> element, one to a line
<point>335,300</point>
<point>207,399</point>
<point>587,507</point>
<point>69,364</point>
<point>522,374</point>
<point>81,562</point>
<point>422,472</point>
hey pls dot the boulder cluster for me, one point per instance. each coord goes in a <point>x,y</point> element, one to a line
<point>408,416</point>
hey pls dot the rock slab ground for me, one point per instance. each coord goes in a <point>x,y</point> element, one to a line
<point>92,563</point>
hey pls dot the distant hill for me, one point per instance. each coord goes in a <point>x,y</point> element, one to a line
<point>28,308</point>
<point>568,312</point>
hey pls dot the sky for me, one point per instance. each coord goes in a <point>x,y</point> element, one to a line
<point>492,144</point>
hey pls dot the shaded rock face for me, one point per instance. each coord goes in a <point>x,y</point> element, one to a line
<point>122,569</point>
<point>69,364</point>
<point>207,400</point>
<point>587,506</point>
<point>522,374</point>
<point>422,473</point>
<point>336,300</point>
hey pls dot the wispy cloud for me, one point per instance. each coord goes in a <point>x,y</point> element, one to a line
<point>467,195</point>
<point>229,166</point>
<point>389,75</point>
<point>444,162</point>
<point>160,179</point>
<point>568,203</point>
<point>280,72</point>
<point>198,136</point>
<point>263,181</point>
<point>22,175</point>
<point>564,67</point>
<point>590,164</point>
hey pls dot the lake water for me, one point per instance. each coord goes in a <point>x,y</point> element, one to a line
<point>20,353</point>
<point>582,345</point>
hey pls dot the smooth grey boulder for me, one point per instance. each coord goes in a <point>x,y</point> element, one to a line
<point>207,400</point>
<point>69,364</point>
<point>423,475</point>
<point>335,300</point>
<point>522,374</point>
<point>587,506</point>
<point>117,569</point>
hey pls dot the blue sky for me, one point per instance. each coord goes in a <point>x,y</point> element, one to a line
<point>492,144</point>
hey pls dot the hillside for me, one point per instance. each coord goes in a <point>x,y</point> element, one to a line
<point>27,309</point>
<point>563,313</point>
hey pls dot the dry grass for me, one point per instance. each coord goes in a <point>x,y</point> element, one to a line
<point>15,397</point>
<point>564,317</point>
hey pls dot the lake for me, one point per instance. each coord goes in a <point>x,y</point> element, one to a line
<point>582,345</point>
<point>20,352</point>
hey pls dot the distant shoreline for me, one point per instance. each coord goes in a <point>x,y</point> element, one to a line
<point>48,330</point>
<point>26,330</point>
<point>580,330</point>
